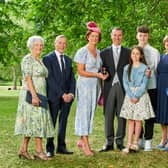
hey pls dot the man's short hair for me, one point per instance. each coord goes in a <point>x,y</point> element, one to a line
<point>116,28</point>
<point>58,37</point>
<point>143,29</point>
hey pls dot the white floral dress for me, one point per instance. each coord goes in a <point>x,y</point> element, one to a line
<point>136,88</point>
<point>33,121</point>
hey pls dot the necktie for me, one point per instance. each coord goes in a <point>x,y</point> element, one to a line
<point>116,56</point>
<point>62,63</point>
<point>63,67</point>
<point>117,51</point>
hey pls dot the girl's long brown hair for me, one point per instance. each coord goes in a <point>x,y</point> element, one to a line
<point>142,59</point>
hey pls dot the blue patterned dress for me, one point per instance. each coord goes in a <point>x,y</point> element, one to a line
<point>33,121</point>
<point>88,91</point>
<point>162,91</point>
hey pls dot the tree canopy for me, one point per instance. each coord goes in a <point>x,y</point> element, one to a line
<point>49,18</point>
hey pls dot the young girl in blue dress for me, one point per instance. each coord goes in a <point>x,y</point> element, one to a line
<point>137,105</point>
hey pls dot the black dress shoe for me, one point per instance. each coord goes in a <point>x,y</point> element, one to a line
<point>120,147</point>
<point>107,148</point>
<point>64,151</point>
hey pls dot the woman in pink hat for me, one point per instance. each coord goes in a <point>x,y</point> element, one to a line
<point>88,86</point>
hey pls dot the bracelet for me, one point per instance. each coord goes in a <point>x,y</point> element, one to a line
<point>33,97</point>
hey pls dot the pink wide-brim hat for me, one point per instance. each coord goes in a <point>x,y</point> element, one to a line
<point>93,27</point>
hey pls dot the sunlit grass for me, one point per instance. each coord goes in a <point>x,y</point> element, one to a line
<point>9,144</point>
<point>8,91</point>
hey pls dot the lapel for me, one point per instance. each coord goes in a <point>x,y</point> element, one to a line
<point>66,62</point>
<point>120,58</point>
<point>111,61</point>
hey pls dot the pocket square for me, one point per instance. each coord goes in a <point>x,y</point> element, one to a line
<point>43,99</point>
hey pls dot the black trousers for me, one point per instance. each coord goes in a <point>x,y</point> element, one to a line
<point>60,109</point>
<point>149,124</point>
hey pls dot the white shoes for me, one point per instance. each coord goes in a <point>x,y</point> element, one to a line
<point>148,145</point>
<point>145,144</point>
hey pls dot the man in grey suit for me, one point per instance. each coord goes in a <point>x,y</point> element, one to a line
<point>114,58</point>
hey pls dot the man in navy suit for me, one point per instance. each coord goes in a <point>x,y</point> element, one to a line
<point>60,91</point>
<point>114,58</point>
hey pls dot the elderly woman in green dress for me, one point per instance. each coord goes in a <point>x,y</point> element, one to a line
<point>33,120</point>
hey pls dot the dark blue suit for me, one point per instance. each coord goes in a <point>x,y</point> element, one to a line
<point>56,87</point>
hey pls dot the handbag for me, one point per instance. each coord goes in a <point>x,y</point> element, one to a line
<point>43,99</point>
<point>101,100</point>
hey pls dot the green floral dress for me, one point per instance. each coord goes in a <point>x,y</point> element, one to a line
<point>33,121</point>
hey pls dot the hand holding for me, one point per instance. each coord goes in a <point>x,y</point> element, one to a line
<point>134,100</point>
<point>70,95</point>
<point>67,97</point>
<point>35,101</point>
<point>148,72</point>
<point>101,76</point>
<point>64,97</point>
<point>106,76</point>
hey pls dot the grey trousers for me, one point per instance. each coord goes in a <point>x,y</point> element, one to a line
<point>112,109</point>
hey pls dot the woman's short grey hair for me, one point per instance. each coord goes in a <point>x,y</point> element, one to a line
<point>31,41</point>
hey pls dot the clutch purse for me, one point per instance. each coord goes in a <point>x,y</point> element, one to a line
<point>44,100</point>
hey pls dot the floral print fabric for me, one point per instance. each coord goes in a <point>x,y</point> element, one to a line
<point>33,121</point>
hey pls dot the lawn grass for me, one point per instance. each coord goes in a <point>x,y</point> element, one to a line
<point>7,91</point>
<point>9,145</point>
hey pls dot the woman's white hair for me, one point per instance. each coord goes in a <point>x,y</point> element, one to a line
<point>31,41</point>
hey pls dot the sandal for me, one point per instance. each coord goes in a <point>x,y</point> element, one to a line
<point>25,155</point>
<point>40,155</point>
<point>80,144</point>
<point>87,151</point>
<point>134,147</point>
<point>127,149</point>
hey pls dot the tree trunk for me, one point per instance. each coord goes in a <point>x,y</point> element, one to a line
<point>14,78</point>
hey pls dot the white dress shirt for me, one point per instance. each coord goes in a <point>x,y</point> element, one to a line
<point>59,58</point>
<point>152,57</point>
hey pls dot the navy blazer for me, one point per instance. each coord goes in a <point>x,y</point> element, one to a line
<point>56,86</point>
<point>108,62</point>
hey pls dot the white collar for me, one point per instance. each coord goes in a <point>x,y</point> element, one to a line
<point>58,53</point>
<point>114,46</point>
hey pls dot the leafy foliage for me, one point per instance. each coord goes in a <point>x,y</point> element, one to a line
<point>49,18</point>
